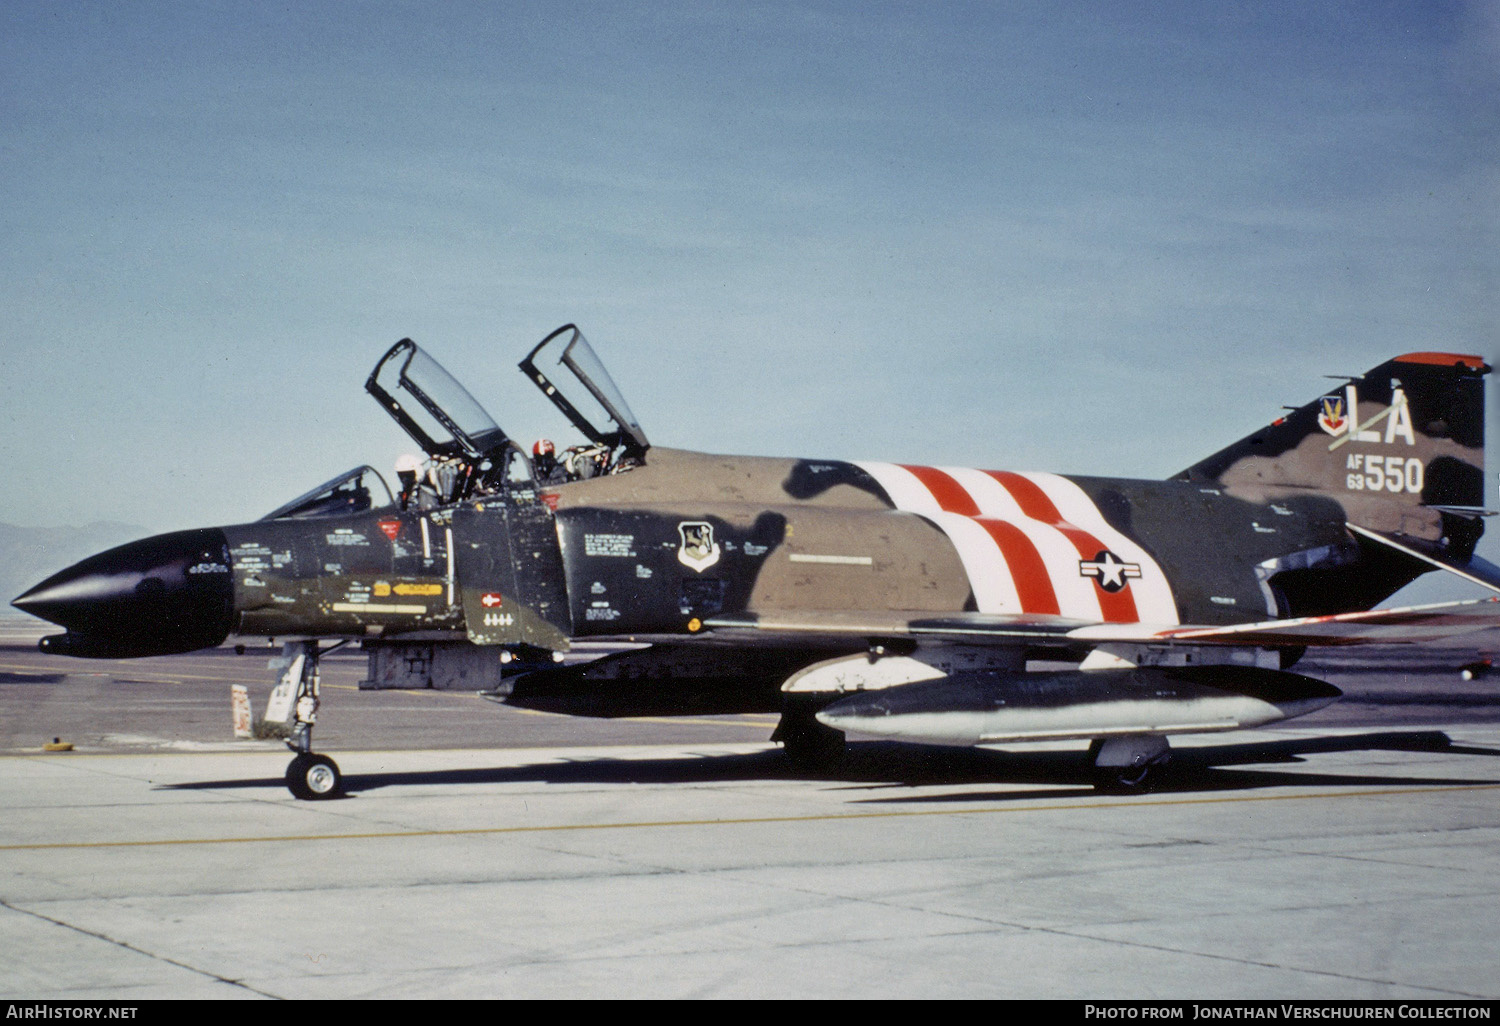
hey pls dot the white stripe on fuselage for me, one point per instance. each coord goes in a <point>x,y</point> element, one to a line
<point>1153,593</point>
<point>991,578</point>
<point>1077,596</point>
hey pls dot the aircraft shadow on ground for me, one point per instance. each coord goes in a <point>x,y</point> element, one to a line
<point>889,765</point>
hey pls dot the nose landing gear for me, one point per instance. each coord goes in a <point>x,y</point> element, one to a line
<point>310,776</point>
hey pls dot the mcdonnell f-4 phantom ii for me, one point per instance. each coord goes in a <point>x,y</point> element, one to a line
<point>889,600</point>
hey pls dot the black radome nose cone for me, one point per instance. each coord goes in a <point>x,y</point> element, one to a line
<point>170,593</point>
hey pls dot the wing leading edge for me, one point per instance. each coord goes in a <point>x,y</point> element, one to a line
<point>1464,623</point>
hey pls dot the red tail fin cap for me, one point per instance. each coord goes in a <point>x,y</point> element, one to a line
<point>1474,363</point>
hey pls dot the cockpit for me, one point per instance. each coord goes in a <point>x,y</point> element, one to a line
<point>468,455</point>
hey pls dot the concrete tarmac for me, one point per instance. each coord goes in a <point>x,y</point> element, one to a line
<point>487,852</point>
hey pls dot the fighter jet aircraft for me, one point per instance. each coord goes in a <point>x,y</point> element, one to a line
<point>945,605</point>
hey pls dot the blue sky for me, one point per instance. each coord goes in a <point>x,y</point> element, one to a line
<point>1087,237</point>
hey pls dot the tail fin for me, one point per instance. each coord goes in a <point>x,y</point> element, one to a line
<point>1409,433</point>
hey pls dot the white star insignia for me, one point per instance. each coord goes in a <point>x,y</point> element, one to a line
<point>1108,570</point>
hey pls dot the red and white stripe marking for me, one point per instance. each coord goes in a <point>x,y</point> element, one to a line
<point>1021,538</point>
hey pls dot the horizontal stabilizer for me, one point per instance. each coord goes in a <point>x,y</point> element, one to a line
<point>1476,570</point>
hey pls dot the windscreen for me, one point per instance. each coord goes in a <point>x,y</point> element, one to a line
<point>355,491</point>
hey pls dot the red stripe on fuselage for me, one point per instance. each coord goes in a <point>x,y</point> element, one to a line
<point>1032,500</point>
<point>951,496</point>
<point>1116,606</point>
<point>1027,568</point>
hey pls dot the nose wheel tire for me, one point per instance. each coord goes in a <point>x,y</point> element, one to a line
<point>314,777</point>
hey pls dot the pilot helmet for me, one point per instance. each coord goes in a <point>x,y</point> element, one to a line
<point>543,447</point>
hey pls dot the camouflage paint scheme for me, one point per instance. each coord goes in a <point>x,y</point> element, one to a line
<point>802,540</point>
<point>750,582</point>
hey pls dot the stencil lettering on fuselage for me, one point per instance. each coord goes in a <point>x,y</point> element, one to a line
<point>1033,543</point>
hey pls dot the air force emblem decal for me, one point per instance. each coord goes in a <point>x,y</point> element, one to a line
<point>698,550</point>
<point>1332,416</point>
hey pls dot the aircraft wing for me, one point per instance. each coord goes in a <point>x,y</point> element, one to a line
<point>1020,628</point>
<point>1474,623</point>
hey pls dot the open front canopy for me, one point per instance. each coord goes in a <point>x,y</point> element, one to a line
<point>429,403</point>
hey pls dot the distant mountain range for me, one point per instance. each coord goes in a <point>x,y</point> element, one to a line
<point>29,555</point>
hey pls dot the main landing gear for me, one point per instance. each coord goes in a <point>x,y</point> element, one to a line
<point>1129,765</point>
<point>310,776</point>
<point>808,744</point>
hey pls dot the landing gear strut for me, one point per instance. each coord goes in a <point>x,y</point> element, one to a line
<point>807,743</point>
<point>310,776</point>
<point>1129,765</point>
